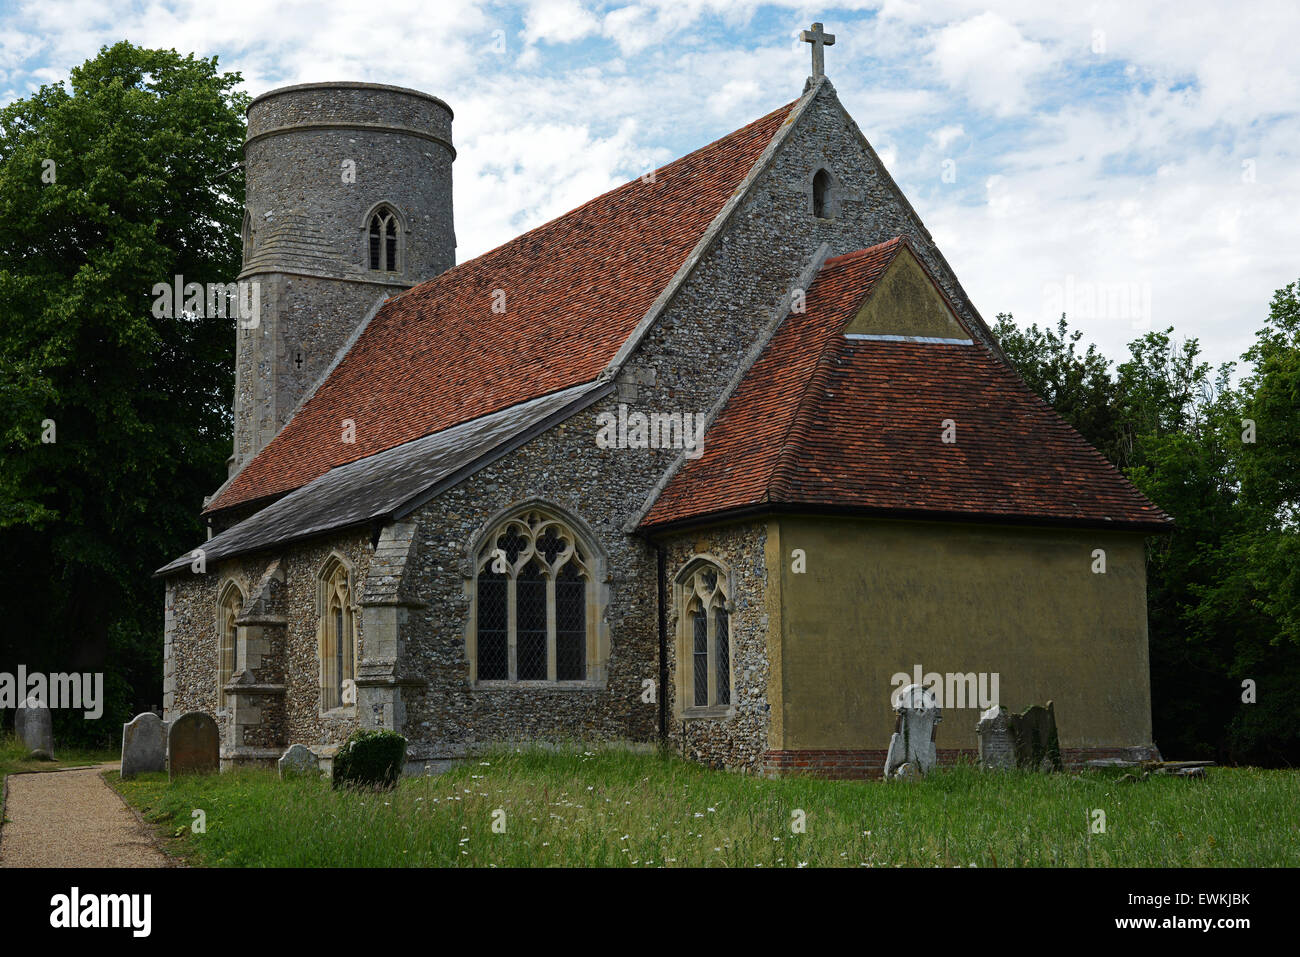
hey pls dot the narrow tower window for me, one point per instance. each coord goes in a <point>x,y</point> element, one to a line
<point>383,240</point>
<point>821,194</point>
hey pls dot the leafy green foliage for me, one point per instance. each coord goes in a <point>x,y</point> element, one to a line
<point>123,177</point>
<point>1224,588</point>
<point>372,757</point>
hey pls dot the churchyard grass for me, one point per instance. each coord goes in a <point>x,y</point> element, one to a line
<point>13,758</point>
<point>600,808</point>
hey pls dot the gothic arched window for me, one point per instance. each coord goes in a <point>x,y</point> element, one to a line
<point>535,613</point>
<point>228,608</point>
<point>821,195</point>
<point>383,231</point>
<point>704,637</point>
<point>337,633</point>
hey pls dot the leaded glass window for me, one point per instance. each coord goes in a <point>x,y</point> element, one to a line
<point>533,613</point>
<point>706,637</point>
<point>337,634</point>
<point>232,600</point>
<point>383,239</point>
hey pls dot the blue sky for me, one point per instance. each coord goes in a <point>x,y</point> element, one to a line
<point>1135,164</point>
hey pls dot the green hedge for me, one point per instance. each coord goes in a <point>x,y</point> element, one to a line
<point>370,758</point>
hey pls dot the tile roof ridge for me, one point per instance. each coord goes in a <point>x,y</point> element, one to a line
<point>844,259</point>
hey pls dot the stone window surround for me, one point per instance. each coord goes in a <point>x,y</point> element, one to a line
<point>403,233</point>
<point>680,624</point>
<point>834,194</point>
<point>226,618</point>
<point>325,583</point>
<point>596,571</point>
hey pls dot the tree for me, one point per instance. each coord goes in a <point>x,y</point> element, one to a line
<point>1077,384</point>
<point>1223,589</point>
<point>115,421</point>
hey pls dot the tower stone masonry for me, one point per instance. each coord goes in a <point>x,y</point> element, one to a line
<point>348,202</point>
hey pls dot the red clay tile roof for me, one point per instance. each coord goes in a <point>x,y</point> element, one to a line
<point>575,290</point>
<point>824,421</point>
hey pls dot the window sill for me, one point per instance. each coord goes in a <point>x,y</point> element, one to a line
<point>717,712</point>
<point>497,685</point>
<point>347,711</point>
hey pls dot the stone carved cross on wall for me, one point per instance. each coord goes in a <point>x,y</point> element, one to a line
<point>819,40</point>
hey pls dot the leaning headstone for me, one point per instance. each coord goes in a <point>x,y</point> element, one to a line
<point>35,728</point>
<point>913,739</point>
<point>193,745</point>
<point>144,745</point>
<point>298,760</point>
<point>1038,747</point>
<point>997,746</point>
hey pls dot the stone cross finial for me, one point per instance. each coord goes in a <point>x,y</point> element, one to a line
<point>819,39</point>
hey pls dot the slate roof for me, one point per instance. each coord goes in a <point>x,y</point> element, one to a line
<point>390,484</point>
<point>575,289</point>
<point>822,421</point>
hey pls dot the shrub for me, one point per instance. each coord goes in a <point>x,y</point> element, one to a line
<point>370,758</point>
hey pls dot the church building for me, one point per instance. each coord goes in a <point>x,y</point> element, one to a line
<point>710,460</point>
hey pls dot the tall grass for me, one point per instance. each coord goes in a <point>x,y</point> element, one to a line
<point>613,808</point>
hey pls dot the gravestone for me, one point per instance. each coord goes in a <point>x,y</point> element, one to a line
<point>298,760</point>
<point>1027,740</point>
<point>1038,747</point>
<point>913,739</point>
<point>35,728</point>
<point>144,745</point>
<point>997,745</point>
<point>193,745</point>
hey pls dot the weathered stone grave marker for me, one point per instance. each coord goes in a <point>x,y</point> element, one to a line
<point>1027,740</point>
<point>1037,745</point>
<point>997,745</point>
<point>35,728</point>
<point>144,745</point>
<point>913,739</point>
<point>193,745</point>
<point>297,761</point>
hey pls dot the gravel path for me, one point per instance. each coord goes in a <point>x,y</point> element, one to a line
<point>72,819</point>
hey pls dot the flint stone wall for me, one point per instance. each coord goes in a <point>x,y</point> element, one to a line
<point>739,740</point>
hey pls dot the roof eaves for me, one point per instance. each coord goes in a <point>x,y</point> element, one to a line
<point>769,508</point>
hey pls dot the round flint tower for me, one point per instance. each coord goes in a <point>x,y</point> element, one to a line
<point>348,200</point>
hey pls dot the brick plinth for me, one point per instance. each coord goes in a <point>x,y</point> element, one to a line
<point>870,763</point>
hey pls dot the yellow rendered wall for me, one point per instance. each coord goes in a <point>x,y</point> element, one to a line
<point>879,597</point>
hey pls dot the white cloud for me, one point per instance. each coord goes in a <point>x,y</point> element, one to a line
<point>1123,165</point>
<point>945,136</point>
<point>558,21</point>
<point>988,61</point>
